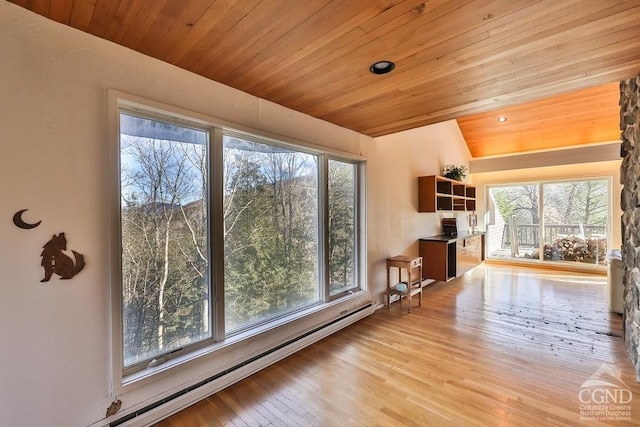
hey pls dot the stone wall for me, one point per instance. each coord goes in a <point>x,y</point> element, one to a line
<point>630,204</point>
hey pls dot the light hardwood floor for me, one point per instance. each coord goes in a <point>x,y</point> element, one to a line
<point>497,347</point>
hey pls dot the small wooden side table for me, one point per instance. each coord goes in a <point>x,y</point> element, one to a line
<point>414,286</point>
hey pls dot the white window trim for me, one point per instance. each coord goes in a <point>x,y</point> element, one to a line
<point>540,183</point>
<point>357,246</point>
<point>123,384</point>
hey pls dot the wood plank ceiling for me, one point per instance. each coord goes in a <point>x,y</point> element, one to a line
<point>454,58</point>
<point>581,117</point>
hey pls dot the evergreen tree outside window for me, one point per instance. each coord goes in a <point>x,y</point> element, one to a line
<point>270,231</point>
<point>342,226</point>
<point>284,219</point>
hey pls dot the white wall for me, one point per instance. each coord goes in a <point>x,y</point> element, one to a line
<point>394,163</point>
<point>55,359</point>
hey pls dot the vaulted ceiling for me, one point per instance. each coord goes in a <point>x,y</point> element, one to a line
<point>455,59</point>
<point>586,116</point>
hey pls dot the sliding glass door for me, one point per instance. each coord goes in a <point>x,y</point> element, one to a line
<point>561,222</point>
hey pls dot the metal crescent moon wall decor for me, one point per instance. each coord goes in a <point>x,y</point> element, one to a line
<point>19,222</point>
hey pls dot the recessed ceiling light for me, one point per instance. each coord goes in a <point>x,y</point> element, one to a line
<point>382,67</point>
<point>502,119</point>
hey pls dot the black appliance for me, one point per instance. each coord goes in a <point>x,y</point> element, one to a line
<point>450,226</point>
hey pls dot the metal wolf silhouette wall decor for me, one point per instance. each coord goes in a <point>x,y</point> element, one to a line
<point>56,261</point>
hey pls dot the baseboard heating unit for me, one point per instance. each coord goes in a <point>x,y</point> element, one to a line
<point>180,400</point>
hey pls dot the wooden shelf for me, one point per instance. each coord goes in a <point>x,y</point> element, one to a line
<point>439,194</point>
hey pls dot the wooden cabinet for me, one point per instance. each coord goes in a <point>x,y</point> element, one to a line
<point>462,259</point>
<point>437,193</point>
<point>475,249</point>
<point>469,254</point>
<point>438,260</point>
<point>446,257</point>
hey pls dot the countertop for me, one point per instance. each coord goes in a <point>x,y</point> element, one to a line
<point>446,238</point>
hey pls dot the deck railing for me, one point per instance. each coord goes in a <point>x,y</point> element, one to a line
<point>528,234</point>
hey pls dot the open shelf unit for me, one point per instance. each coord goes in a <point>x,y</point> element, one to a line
<point>437,193</point>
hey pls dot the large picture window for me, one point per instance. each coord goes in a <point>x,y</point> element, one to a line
<point>285,220</point>
<point>561,222</point>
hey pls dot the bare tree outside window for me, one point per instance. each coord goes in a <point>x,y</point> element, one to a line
<point>573,223</point>
<point>165,273</point>
<point>272,263</point>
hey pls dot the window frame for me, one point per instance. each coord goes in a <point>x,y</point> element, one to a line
<point>179,352</point>
<point>357,237</point>
<point>135,375</point>
<point>320,230</point>
<point>540,184</point>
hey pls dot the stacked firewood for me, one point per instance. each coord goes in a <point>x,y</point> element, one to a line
<point>574,248</point>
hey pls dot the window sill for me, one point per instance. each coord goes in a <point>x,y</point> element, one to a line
<point>151,373</point>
